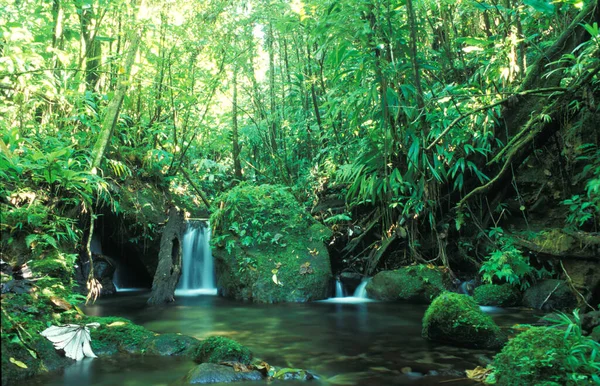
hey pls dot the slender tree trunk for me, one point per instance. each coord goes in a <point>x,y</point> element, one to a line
<point>273,125</point>
<point>237,166</point>
<point>412,23</point>
<point>114,107</point>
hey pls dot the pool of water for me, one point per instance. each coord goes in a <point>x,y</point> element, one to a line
<point>345,343</point>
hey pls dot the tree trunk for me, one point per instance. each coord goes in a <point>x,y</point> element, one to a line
<point>237,166</point>
<point>114,107</point>
<point>169,259</point>
<point>524,128</point>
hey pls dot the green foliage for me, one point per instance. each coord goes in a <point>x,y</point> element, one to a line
<point>508,264</point>
<point>558,354</point>
<point>251,215</point>
<point>584,209</point>
<point>217,349</point>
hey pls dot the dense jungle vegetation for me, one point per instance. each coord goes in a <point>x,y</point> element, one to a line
<point>452,136</point>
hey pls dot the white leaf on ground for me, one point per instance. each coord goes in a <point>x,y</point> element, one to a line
<point>73,338</point>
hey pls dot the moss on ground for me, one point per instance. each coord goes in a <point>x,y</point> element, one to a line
<point>503,295</point>
<point>267,248</point>
<point>219,349</point>
<point>456,319</point>
<point>536,356</point>
<point>418,283</point>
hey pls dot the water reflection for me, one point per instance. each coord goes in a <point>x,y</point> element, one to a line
<point>367,343</point>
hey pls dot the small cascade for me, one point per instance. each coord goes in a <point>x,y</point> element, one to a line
<point>361,290</point>
<point>198,271</point>
<point>340,290</point>
<point>341,296</point>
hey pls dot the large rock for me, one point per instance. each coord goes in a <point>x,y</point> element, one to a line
<point>417,283</point>
<point>456,319</point>
<point>207,373</point>
<point>504,295</point>
<point>550,295</point>
<point>268,249</point>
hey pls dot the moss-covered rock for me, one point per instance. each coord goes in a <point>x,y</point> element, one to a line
<point>550,295</point>
<point>172,345</point>
<point>120,335</point>
<point>217,349</point>
<point>456,319</point>
<point>267,248</point>
<point>24,316</point>
<point>535,356</point>
<point>504,295</point>
<point>415,283</point>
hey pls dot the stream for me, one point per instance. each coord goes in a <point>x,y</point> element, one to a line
<point>345,343</point>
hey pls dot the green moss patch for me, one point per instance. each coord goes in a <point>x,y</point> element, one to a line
<point>415,283</point>
<point>503,295</point>
<point>533,357</point>
<point>456,319</point>
<point>219,349</point>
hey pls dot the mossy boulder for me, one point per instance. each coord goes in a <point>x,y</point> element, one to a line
<point>217,349</point>
<point>456,319</point>
<point>417,283</point>
<point>267,248</point>
<point>120,335</point>
<point>504,295</point>
<point>550,295</point>
<point>533,357</point>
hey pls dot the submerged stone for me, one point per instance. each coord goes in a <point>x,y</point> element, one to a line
<point>288,374</point>
<point>496,295</point>
<point>456,319</point>
<point>267,248</point>
<point>207,373</point>
<point>417,283</point>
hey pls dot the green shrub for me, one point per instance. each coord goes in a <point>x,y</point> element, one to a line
<point>217,349</point>
<point>549,355</point>
<point>255,215</point>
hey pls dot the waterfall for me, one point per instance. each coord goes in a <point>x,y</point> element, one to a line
<point>361,290</point>
<point>340,290</point>
<point>198,271</point>
<point>341,295</point>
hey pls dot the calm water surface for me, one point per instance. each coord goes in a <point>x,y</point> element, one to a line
<point>346,344</point>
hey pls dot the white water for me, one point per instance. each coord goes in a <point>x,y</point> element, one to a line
<point>361,290</point>
<point>198,271</point>
<point>359,296</point>
<point>340,290</point>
